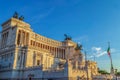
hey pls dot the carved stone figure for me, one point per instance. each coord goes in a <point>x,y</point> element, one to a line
<point>21,18</point>
<point>15,15</point>
<point>67,37</point>
<point>78,47</point>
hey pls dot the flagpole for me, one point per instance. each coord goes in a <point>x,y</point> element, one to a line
<point>112,69</point>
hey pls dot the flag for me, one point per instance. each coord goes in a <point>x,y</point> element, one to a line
<point>109,54</point>
<point>108,50</point>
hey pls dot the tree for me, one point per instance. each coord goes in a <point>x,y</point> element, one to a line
<point>118,73</point>
<point>103,72</point>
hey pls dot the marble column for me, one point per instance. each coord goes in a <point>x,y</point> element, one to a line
<point>58,52</point>
<point>55,52</point>
<point>4,40</point>
<point>25,38</point>
<point>34,58</point>
<point>64,54</point>
<point>61,53</point>
<point>22,58</point>
<point>21,37</point>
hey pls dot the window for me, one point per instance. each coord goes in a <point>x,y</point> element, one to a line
<point>9,65</point>
<point>31,42</point>
<point>41,45</point>
<point>6,57</point>
<point>11,54</point>
<point>38,62</point>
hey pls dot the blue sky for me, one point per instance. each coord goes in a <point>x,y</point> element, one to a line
<point>90,22</point>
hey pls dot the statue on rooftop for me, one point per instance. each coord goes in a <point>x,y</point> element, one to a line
<point>15,15</point>
<point>67,37</point>
<point>77,57</point>
<point>21,18</point>
<point>78,47</point>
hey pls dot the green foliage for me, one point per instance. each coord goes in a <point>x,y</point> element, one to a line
<point>103,72</point>
<point>118,73</point>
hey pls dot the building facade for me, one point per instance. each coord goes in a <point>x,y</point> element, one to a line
<point>25,54</point>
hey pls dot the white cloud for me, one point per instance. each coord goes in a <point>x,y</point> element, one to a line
<point>90,56</point>
<point>79,42</point>
<point>98,51</point>
<point>101,54</point>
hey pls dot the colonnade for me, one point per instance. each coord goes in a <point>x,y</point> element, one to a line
<point>59,52</point>
<point>56,51</point>
<point>22,38</point>
<point>22,58</point>
<point>37,59</point>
